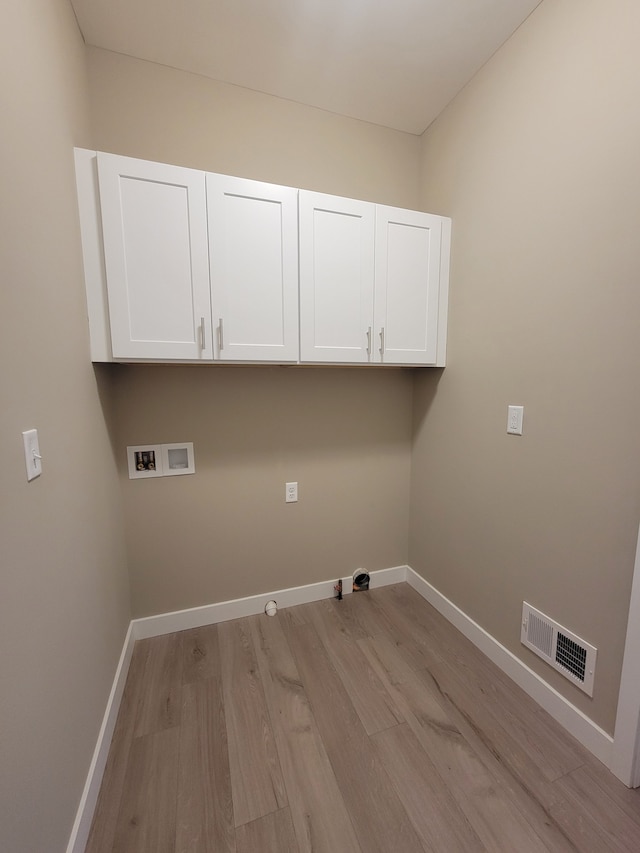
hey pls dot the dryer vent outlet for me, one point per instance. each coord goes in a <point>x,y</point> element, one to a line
<point>560,648</point>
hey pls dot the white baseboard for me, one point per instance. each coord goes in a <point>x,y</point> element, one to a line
<point>590,735</point>
<point>595,739</point>
<point>84,815</point>
<point>210,614</point>
<point>167,623</point>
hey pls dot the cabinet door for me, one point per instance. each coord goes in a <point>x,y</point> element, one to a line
<point>336,278</point>
<point>253,244</point>
<point>156,259</point>
<point>408,251</point>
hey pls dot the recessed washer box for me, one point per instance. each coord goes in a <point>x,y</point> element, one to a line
<point>145,460</point>
<point>160,460</point>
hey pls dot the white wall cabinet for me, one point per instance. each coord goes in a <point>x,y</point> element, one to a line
<point>183,265</point>
<point>156,259</point>
<point>336,278</point>
<point>408,255</point>
<point>372,288</point>
<point>253,249</point>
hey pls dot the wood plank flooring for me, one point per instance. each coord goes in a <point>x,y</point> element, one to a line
<point>367,725</point>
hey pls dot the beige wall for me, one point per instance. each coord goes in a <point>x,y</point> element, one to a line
<point>537,163</point>
<point>64,601</point>
<point>344,435</point>
<point>146,110</point>
<point>226,532</point>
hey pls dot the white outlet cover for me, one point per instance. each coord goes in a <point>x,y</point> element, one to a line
<point>291,493</point>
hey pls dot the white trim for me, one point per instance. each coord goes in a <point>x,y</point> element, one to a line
<point>210,614</point>
<point>167,623</point>
<point>619,755</point>
<point>95,276</point>
<point>443,297</point>
<point>386,577</point>
<point>625,762</point>
<point>84,815</point>
<point>595,739</point>
<point>590,735</point>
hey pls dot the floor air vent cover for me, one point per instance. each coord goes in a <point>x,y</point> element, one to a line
<point>570,655</point>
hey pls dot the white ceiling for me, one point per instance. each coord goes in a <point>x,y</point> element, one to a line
<point>395,63</point>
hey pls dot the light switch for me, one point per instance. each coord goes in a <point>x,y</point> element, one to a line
<point>32,456</point>
<point>514,420</point>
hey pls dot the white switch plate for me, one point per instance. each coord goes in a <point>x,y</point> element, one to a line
<point>291,493</point>
<point>514,420</point>
<point>32,456</point>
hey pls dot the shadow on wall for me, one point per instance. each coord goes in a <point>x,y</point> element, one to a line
<point>259,415</point>
<point>105,385</point>
<point>425,389</point>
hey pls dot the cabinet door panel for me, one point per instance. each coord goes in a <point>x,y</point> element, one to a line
<point>408,248</point>
<point>254,269</point>
<point>156,259</point>
<point>336,278</point>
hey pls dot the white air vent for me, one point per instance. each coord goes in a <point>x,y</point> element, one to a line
<point>570,655</point>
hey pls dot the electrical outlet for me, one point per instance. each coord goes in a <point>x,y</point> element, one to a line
<point>514,420</point>
<point>291,493</point>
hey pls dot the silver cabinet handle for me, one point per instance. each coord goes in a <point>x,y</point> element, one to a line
<point>220,335</point>
<point>203,342</point>
<point>369,341</point>
<point>382,341</point>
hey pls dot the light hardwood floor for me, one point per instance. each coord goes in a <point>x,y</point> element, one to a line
<point>359,726</point>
